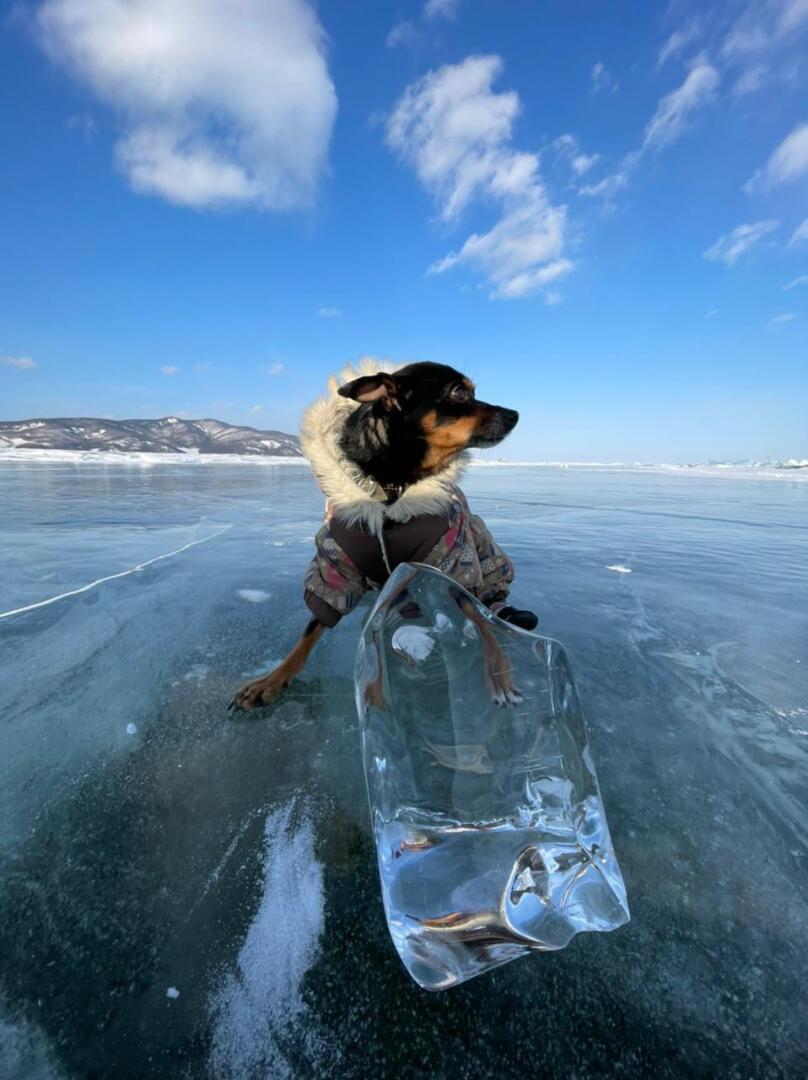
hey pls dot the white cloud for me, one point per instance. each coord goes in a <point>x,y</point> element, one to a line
<point>671,119</point>
<point>730,247</point>
<point>169,369</point>
<point>680,39</point>
<point>456,134</point>
<point>764,26</point>
<point>602,80</point>
<point>329,312</point>
<point>566,146</point>
<point>800,234</point>
<point>21,363</point>
<point>409,32</point>
<point>751,80</point>
<point>216,106</point>
<point>675,109</point>
<point>441,9</point>
<point>788,161</point>
<point>83,122</point>
<point>610,185</point>
<point>778,319</point>
<point>711,314</point>
<point>760,41</point>
<point>402,32</point>
<point>582,163</point>
<point>275,369</point>
<point>801,280</point>
<point>793,16</point>
<point>256,408</point>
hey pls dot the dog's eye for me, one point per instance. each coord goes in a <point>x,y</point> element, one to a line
<point>459,395</point>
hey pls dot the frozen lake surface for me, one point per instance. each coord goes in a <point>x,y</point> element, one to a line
<point>186,894</point>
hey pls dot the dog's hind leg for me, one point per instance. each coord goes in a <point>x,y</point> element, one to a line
<point>264,690</point>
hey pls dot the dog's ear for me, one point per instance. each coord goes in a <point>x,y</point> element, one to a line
<point>381,387</point>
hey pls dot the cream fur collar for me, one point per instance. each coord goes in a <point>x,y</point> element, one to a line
<point>349,493</point>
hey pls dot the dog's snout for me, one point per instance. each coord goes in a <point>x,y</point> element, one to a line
<point>496,422</point>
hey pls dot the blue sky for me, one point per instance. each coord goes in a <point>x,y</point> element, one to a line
<point>599,211</point>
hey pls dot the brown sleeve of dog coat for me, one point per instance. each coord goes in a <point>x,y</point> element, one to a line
<point>334,585</point>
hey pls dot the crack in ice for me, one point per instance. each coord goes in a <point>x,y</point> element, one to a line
<point>111,577</point>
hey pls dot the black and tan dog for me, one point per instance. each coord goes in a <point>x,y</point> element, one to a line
<point>387,448</point>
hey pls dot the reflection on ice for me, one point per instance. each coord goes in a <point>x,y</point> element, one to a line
<point>490,831</point>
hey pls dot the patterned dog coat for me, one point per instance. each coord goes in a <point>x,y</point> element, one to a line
<point>363,538</point>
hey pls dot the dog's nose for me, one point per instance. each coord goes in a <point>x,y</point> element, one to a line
<point>511,418</point>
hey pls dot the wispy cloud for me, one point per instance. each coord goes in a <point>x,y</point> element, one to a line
<point>402,32</point>
<point>275,369</point>
<point>567,148</point>
<point>680,39</point>
<point>762,43</point>
<point>674,114</point>
<point>788,162</point>
<point>256,408</point>
<point>800,234</point>
<point>441,9</point>
<point>675,111</point>
<point>84,123</point>
<point>801,280</point>
<point>711,314</point>
<point>409,32</point>
<point>751,80</point>
<point>762,27</point>
<point>170,369</point>
<point>329,312</point>
<point>21,363</point>
<point>456,133</point>
<point>582,163</point>
<point>778,319</point>
<point>602,81</point>
<point>215,108</point>
<point>730,247</point>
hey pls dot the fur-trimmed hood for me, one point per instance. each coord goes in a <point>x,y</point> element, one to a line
<point>352,495</point>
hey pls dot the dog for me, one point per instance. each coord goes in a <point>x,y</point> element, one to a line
<point>387,448</point>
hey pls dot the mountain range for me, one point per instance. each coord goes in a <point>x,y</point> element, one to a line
<point>168,434</point>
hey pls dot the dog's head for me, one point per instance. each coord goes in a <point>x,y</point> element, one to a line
<point>416,420</point>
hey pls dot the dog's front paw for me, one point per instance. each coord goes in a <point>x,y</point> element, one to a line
<point>259,692</point>
<point>499,680</point>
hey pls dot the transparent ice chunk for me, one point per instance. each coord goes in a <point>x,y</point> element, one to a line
<point>489,826</point>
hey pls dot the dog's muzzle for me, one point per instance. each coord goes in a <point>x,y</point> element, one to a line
<point>495,427</point>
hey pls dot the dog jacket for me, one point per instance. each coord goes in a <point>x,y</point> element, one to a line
<point>363,538</point>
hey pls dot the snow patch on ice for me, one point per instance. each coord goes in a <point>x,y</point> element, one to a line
<point>255,596</point>
<point>131,729</point>
<point>196,673</point>
<point>25,1050</point>
<point>260,1005</point>
<point>413,641</point>
<point>618,569</point>
<point>172,993</point>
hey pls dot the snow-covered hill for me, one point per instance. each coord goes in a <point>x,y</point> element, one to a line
<point>166,435</point>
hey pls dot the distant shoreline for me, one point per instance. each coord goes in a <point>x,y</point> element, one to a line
<point>793,469</point>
